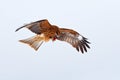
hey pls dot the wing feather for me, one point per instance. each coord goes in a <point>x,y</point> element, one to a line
<point>71,37</point>
<point>37,27</point>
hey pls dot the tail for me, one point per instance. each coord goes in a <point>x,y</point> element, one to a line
<point>35,41</point>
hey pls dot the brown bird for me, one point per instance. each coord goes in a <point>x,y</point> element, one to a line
<point>45,31</point>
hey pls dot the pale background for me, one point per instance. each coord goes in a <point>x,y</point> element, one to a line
<point>98,20</point>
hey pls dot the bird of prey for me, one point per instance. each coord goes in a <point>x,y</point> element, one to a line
<point>45,31</point>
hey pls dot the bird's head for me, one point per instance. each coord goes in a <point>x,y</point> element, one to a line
<point>52,36</point>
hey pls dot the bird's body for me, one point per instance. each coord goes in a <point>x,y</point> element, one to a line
<point>45,31</point>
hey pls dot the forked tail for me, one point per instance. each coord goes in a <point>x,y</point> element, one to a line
<point>35,41</point>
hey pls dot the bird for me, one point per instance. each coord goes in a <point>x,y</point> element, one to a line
<point>44,32</point>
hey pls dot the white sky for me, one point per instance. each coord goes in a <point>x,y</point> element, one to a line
<point>98,20</point>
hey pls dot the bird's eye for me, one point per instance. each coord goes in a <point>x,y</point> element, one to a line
<point>50,37</point>
<point>56,33</point>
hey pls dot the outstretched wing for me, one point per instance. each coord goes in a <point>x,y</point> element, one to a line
<point>74,38</point>
<point>37,27</point>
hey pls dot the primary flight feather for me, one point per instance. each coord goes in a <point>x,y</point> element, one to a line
<point>45,31</point>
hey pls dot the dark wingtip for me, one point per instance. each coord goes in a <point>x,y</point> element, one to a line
<point>19,28</point>
<point>86,40</point>
<point>16,30</point>
<point>81,48</point>
<point>83,45</point>
<point>77,48</point>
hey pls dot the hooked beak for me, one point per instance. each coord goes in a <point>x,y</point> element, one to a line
<point>54,38</point>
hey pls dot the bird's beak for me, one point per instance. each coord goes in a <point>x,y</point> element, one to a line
<point>54,39</point>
